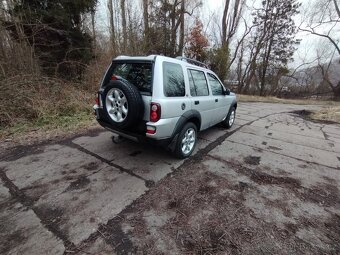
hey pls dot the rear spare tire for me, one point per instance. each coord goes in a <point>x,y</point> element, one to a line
<point>122,104</point>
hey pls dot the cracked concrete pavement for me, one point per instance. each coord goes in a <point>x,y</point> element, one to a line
<point>58,198</point>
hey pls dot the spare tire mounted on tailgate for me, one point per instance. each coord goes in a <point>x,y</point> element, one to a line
<point>122,103</point>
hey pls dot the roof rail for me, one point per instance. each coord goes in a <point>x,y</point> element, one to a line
<point>193,61</point>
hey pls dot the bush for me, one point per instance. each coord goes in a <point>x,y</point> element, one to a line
<point>30,98</point>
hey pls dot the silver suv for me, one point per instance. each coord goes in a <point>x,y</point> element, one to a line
<point>163,100</point>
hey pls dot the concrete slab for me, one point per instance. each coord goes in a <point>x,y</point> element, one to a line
<point>241,122</point>
<point>274,164</point>
<point>332,130</point>
<point>4,193</point>
<point>293,128</point>
<point>292,150</point>
<point>91,201</point>
<point>22,233</point>
<point>152,163</point>
<point>282,135</point>
<point>248,118</point>
<point>98,247</point>
<point>51,170</point>
<point>149,162</point>
<point>212,134</point>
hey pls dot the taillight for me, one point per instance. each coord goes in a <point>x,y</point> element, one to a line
<point>155,112</point>
<point>98,100</point>
<point>151,130</point>
<point>114,78</point>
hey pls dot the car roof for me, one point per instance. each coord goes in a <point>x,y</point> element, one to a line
<point>153,57</point>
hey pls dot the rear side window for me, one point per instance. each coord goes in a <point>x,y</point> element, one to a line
<point>139,74</point>
<point>215,85</point>
<point>173,80</point>
<point>198,83</point>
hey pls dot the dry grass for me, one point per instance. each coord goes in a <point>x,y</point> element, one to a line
<point>271,99</point>
<point>331,114</point>
<point>34,104</point>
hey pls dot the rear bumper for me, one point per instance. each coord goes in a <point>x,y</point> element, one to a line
<point>139,136</point>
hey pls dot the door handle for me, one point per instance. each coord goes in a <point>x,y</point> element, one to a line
<point>197,102</point>
<point>216,100</point>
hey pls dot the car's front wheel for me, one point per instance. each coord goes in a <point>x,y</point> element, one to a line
<point>228,122</point>
<point>186,141</point>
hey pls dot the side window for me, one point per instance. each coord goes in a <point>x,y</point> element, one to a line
<point>173,79</point>
<point>215,85</point>
<point>192,85</point>
<point>198,83</point>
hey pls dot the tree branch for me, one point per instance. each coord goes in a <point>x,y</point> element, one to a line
<point>322,35</point>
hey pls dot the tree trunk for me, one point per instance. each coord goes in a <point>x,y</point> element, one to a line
<point>336,92</point>
<point>225,23</point>
<point>93,28</point>
<point>181,34</point>
<point>173,30</point>
<point>112,27</point>
<point>123,13</point>
<point>146,26</point>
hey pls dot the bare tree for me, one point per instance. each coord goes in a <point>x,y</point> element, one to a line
<point>230,20</point>
<point>124,26</point>
<point>146,25</point>
<point>112,26</point>
<point>323,18</point>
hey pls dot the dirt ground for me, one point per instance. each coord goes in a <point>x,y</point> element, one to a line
<point>270,185</point>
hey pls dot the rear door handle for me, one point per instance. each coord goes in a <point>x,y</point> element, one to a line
<point>216,100</point>
<point>197,102</point>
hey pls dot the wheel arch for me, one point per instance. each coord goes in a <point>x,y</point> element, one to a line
<point>189,116</point>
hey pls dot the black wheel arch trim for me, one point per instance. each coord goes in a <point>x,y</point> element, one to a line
<point>188,115</point>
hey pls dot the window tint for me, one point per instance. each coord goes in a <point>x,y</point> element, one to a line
<point>215,85</point>
<point>198,83</point>
<point>192,84</point>
<point>139,74</point>
<point>173,80</point>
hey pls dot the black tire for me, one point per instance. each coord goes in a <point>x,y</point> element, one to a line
<point>135,105</point>
<point>178,152</point>
<point>227,123</point>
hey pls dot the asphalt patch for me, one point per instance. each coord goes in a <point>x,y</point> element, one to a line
<point>80,183</point>
<point>135,153</point>
<point>306,115</point>
<point>252,160</point>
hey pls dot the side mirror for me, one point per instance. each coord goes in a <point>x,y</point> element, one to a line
<point>226,92</point>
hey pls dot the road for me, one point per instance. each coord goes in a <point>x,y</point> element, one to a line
<point>75,196</point>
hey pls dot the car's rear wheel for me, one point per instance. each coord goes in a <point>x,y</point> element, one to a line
<point>186,141</point>
<point>122,104</point>
<point>228,122</point>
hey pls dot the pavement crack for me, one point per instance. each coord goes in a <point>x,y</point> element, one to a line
<point>324,133</point>
<point>114,223</point>
<point>305,161</point>
<point>285,141</point>
<point>148,183</point>
<point>20,196</point>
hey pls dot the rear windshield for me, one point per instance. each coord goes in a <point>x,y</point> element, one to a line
<point>139,74</point>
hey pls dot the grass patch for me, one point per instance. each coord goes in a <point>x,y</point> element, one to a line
<point>54,123</point>
<point>271,99</point>
<point>39,107</point>
<point>328,114</point>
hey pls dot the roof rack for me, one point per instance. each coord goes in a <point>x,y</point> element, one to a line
<point>193,61</point>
